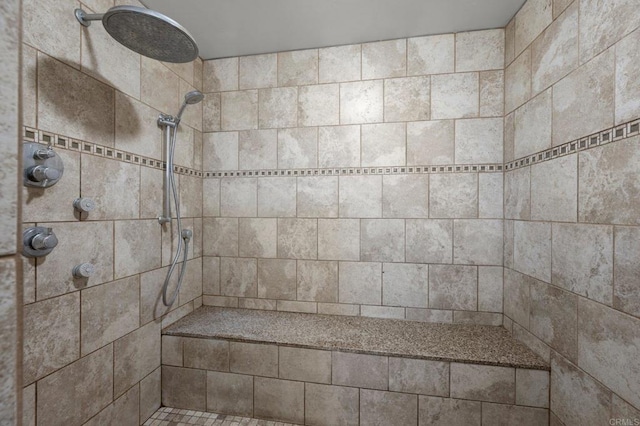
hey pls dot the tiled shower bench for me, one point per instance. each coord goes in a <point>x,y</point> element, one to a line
<point>330,370</point>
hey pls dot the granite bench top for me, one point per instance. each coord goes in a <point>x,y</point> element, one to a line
<point>464,343</point>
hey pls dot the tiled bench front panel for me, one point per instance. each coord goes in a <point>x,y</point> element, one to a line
<point>320,387</point>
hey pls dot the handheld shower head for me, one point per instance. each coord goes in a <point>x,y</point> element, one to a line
<point>191,98</point>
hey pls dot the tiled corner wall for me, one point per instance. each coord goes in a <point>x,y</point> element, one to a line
<point>358,180</point>
<point>10,291</point>
<point>92,348</point>
<point>572,234</point>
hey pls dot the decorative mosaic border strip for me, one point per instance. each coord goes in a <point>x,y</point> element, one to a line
<point>614,134</point>
<point>64,142</point>
<point>342,171</point>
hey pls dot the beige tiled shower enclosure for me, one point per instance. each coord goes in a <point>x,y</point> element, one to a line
<point>488,177</point>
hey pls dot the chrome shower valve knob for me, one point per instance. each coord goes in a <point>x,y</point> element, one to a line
<point>84,270</point>
<point>84,205</point>
<point>44,154</point>
<point>38,241</point>
<point>43,174</point>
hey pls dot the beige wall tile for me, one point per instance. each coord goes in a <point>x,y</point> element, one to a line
<point>136,128</point>
<point>221,301</point>
<point>429,315</point>
<point>277,279</point>
<point>317,196</point>
<point>555,53</point>
<point>405,285</point>
<point>627,81</point>
<point>517,81</point>
<point>490,288</point>
<point>123,411</point>
<point>434,410</point>
<point>532,388</point>
<point>184,388</point>
<point>257,149</point>
<point>150,394</point>
<point>297,148</point>
<point>277,197</point>
<point>294,306</point>
<point>513,414</point>
<point>388,408</point>
<point>517,296</point>
<point>340,63</point>
<point>258,71</point>
<point>453,195</point>
<point>607,340</point>
<point>239,110</point>
<point>152,192</point>
<point>508,243</point>
<point>608,177</point>
<point>257,237</point>
<point>483,382</point>
<point>559,6</point>
<point>531,20</point>
<point>154,74</point>
<point>136,355</point>
<point>47,29</point>
<point>256,359</point>
<point>206,354</point>
<point>582,260</point>
<point>54,275</point>
<point>419,376</point>
<point>383,144</point>
<point>49,348</point>
<point>317,281</point>
<point>626,269</point>
<point>479,318</point>
<point>230,393</point>
<point>172,350</point>
<point>306,365</point>
<point>104,321</point>
<point>492,93</point>
<point>591,84</point>
<point>29,405</point>
<point>221,236</point>
<point>510,41</point>
<point>238,197</point>
<point>88,117</point>
<point>99,179</point>
<point>212,113</point>
<point>319,105</point>
<point>532,342</point>
<point>262,304</point>
<point>281,400</point>
<point>190,196</point>
<point>298,238</point>
<point>407,99</point>
<point>575,396</point>
<point>211,275</point>
<point>384,59</point>
<point>360,196</point>
<point>532,131</point>
<point>382,312</point>
<point>339,239</point>
<point>220,151</point>
<point>532,249</point>
<point>429,241</point>
<point>338,309</point>
<point>454,95</point>
<point>137,246</point>
<point>600,28</point>
<point>480,50</point>
<point>405,196</point>
<point>557,201</point>
<point>82,398</point>
<point>220,75</point>
<point>478,242</point>
<point>517,194</point>
<point>361,102</point>
<point>509,137</point>
<point>430,142</point>
<point>431,54</point>
<point>239,277</point>
<point>479,141</point>
<point>339,146</point>
<point>359,370</point>
<point>298,68</point>
<point>382,240</point>
<point>360,282</point>
<point>29,97</point>
<point>278,107</point>
<point>490,195</point>
<point>331,405</point>
<point>622,410</point>
<point>453,287</point>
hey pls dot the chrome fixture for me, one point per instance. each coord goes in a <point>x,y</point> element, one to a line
<point>42,167</point>
<point>146,32</point>
<point>84,205</point>
<point>38,241</point>
<point>170,125</point>
<point>83,271</point>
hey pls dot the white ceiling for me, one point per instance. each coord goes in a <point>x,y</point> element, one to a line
<point>226,28</point>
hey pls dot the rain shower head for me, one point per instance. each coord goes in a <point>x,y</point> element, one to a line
<point>146,32</point>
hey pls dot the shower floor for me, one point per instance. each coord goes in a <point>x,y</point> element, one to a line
<point>166,416</point>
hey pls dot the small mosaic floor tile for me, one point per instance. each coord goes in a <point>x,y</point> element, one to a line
<point>166,416</point>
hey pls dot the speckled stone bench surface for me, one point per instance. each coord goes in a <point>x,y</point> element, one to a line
<point>475,344</point>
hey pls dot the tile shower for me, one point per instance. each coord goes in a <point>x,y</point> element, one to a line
<point>484,178</point>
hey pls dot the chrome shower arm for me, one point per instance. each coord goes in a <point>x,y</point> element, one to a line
<point>85,18</point>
